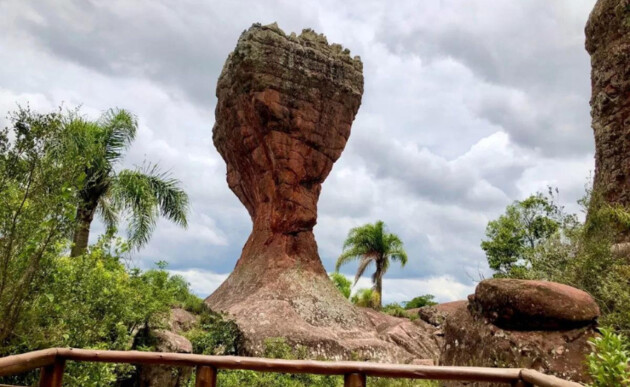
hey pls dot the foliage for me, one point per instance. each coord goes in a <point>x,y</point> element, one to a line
<point>39,178</point>
<point>366,298</point>
<point>525,225</point>
<point>94,301</point>
<point>215,335</point>
<point>609,363</point>
<point>342,283</point>
<point>143,193</point>
<point>372,244</point>
<point>277,348</point>
<point>396,310</point>
<point>420,301</point>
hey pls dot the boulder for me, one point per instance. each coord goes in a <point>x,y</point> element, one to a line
<point>150,375</point>
<point>534,305</point>
<point>471,340</point>
<point>436,314</point>
<point>181,320</point>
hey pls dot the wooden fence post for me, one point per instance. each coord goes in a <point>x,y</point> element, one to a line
<point>206,376</point>
<point>354,380</point>
<point>52,375</point>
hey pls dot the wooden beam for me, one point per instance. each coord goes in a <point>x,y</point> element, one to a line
<point>52,375</point>
<point>542,380</point>
<point>206,376</point>
<point>477,374</point>
<point>354,380</point>
<point>16,364</point>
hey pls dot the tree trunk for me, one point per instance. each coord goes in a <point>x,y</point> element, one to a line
<point>85,215</point>
<point>378,286</point>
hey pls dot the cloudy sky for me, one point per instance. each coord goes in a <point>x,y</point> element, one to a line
<point>467,107</point>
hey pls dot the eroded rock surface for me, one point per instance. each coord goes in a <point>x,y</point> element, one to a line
<point>608,43</point>
<point>285,107</point>
<point>530,305</point>
<point>472,339</point>
<point>153,375</point>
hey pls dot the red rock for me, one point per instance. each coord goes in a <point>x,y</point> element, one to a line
<point>181,320</point>
<point>285,107</point>
<point>469,340</point>
<point>608,43</point>
<point>534,305</point>
<point>436,314</point>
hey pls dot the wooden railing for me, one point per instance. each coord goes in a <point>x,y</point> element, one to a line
<point>52,363</point>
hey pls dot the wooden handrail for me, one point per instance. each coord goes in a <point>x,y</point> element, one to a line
<point>51,361</point>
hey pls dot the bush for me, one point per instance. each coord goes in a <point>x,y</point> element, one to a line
<point>366,298</point>
<point>609,363</point>
<point>342,283</point>
<point>94,301</point>
<point>215,335</point>
<point>420,301</point>
<point>394,309</point>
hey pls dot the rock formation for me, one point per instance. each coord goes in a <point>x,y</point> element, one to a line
<point>534,305</point>
<point>544,326</point>
<point>285,107</point>
<point>608,43</point>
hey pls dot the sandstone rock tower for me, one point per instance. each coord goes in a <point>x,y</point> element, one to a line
<point>285,107</point>
<point>608,43</point>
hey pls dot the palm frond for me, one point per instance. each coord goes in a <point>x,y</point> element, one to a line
<point>363,265</point>
<point>119,130</point>
<point>147,194</point>
<point>349,255</point>
<point>108,212</point>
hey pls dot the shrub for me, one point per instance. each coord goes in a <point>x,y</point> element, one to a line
<point>420,301</point>
<point>609,363</point>
<point>215,335</point>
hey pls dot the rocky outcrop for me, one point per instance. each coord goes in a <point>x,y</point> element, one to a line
<point>608,43</point>
<point>150,375</point>
<point>472,339</point>
<point>534,305</point>
<point>437,314</point>
<point>285,107</point>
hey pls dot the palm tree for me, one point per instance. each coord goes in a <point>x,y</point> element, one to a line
<point>372,244</point>
<point>141,195</point>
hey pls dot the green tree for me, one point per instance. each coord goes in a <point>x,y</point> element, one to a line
<point>526,224</point>
<point>420,301</point>
<point>369,244</point>
<point>39,179</point>
<point>144,194</point>
<point>342,283</point>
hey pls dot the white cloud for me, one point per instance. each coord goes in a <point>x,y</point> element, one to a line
<point>466,108</point>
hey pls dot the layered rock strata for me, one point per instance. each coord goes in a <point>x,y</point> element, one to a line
<point>285,107</point>
<point>608,43</point>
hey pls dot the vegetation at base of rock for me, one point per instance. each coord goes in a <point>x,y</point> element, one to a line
<point>609,364</point>
<point>215,335</point>
<point>396,310</point>
<point>342,283</point>
<point>369,244</point>
<point>585,255</point>
<point>366,298</point>
<point>95,301</point>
